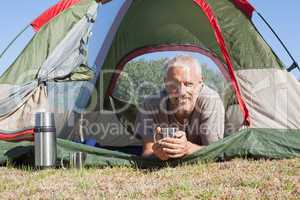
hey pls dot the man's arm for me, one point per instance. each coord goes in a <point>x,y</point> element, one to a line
<point>178,147</point>
<point>170,147</point>
<point>212,117</point>
<point>193,147</point>
<point>147,149</point>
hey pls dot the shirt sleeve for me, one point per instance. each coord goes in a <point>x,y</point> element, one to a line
<point>212,118</point>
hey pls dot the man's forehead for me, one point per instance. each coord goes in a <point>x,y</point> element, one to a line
<point>179,67</point>
<point>182,71</point>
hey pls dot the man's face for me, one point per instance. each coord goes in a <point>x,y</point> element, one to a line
<point>182,85</point>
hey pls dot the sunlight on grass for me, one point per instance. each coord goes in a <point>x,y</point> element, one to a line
<point>237,179</point>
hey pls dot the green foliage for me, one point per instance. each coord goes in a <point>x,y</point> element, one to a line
<point>214,79</point>
<point>139,79</point>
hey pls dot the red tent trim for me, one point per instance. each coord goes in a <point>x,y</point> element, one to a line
<point>245,7</point>
<point>160,48</point>
<point>52,12</point>
<point>14,136</point>
<point>220,40</point>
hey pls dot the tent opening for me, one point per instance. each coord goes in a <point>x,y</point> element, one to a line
<point>143,77</point>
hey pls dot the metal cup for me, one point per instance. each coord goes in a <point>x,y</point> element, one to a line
<point>169,132</point>
<point>77,159</point>
<point>166,132</point>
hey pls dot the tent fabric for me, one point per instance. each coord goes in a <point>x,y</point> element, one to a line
<point>105,128</point>
<point>17,135</point>
<point>244,6</point>
<point>54,63</point>
<point>234,120</point>
<point>161,29</point>
<point>220,39</point>
<point>14,96</point>
<point>69,54</point>
<point>23,117</point>
<point>248,143</point>
<point>167,28</point>
<point>52,12</point>
<point>71,51</point>
<point>246,48</point>
<point>27,65</point>
<point>56,97</point>
<point>281,90</point>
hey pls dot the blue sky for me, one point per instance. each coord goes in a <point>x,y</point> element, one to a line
<point>284,16</point>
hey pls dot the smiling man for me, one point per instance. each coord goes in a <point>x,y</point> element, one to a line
<point>187,104</point>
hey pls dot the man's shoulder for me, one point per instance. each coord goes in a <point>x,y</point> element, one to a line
<point>208,92</point>
<point>208,96</point>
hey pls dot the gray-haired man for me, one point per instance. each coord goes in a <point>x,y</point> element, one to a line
<point>186,103</point>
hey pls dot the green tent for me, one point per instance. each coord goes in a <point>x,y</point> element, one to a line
<point>52,74</point>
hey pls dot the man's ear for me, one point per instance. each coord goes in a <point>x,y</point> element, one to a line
<point>202,78</point>
<point>165,82</point>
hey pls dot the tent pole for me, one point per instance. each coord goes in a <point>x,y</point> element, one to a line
<point>9,45</point>
<point>295,64</point>
<point>103,1</point>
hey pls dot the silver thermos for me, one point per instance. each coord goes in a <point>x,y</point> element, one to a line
<point>44,140</point>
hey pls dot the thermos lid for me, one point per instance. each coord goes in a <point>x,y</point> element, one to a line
<point>44,119</point>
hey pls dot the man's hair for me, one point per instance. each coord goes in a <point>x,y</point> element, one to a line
<point>185,61</point>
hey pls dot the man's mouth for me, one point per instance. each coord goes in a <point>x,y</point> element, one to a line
<point>182,100</point>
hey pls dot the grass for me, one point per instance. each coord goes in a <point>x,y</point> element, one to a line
<point>237,179</point>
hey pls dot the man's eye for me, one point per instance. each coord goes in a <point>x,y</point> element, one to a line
<point>189,84</point>
<point>174,84</point>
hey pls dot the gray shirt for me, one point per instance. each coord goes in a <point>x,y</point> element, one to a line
<point>204,126</point>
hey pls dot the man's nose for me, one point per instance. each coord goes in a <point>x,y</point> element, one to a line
<point>181,89</point>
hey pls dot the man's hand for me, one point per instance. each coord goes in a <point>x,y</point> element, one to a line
<point>175,147</point>
<point>158,152</point>
<point>167,148</point>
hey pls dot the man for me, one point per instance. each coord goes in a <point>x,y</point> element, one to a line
<point>186,103</point>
